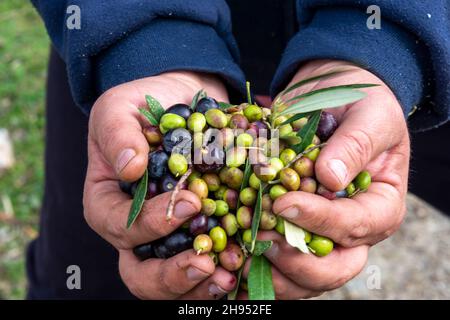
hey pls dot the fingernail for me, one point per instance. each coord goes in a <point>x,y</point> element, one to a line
<point>184,209</point>
<point>124,157</point>
<point>195,274</point>
<point>273,251</point>
<point>215,290</point>
<point>290,213</point>
<point>339,169</point>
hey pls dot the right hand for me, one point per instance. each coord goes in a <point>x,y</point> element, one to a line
<point>118,150</point>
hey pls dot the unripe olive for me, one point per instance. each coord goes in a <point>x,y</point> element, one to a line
<point>208,207</point>
<point>223,174</point>
<point>285,130</point>
<point>227,137</point>
<point>299,124</point>
<point>277,191</point>
<point>171,121</point>
<point>247,236</point>
<point>194,175</point>
<point>290,179</point>
<point>253,113</point>
<point>222,208</point>
<point>363,180</point>
<point>248,196</point>
<point>254,181</point>
<point>231,196</point>
<point>220,192</point>
<point>244,140</point>
<point>321,246</point>
<point>212,180</point>
<point>153,135</point>
<point>304,167</point>
<point>238,121</point>
<point>308,236</point>
<point>316,140</point>
<point>280,225</point>
<point>324,192</point>
<point>350,189</point>
<point>236,157</point>
<point>214,257</point>
<point>232,258</point>
<point>219,238</point>
<point>196,122</point>
<point>287,156</point>
<point>233,178</point>
<point>265,172</point>
<point>277,164</point>
<point>308,184</point>
<point>312,154</point>
<point>244,217</point>
<point>229,223</point>
<point>202,244</point>
<point>216,118</point>
<point>279,120</point>
<point>177,164</point>
<point>268,220</point>
<point>292,138</point>
<point>199,187</point>
<point>266,202</point>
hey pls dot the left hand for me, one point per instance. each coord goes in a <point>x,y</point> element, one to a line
<point>372,135</point>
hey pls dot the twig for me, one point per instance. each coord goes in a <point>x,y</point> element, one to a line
<point>174,194</point>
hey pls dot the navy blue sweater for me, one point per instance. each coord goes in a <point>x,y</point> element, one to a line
<point>123,40</point>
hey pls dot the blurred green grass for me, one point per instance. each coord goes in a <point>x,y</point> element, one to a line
<point>24,47</point>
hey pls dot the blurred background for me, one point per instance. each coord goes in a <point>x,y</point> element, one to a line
<point>413,264</point>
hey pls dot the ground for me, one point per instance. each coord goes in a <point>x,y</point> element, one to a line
<point>414,263</point>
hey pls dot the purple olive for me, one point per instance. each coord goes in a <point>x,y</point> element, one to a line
<point>327,126</point>
<point>198,225</point>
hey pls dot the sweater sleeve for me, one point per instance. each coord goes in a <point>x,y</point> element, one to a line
<point>118,41</point>
<point>410,52</point>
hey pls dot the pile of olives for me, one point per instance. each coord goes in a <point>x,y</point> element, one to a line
<point>209,145</point>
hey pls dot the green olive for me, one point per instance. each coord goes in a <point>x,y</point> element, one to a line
<point>223,174</point>
<point>220,192</point>
<point>247,236</point>
<point>280,225</point>
<point>202,244</point>
<point>244,217</point>
<point>222,208</point>
<point>312,154</point>
<point>308,236</point>
<point>233,178</point>
<point>287,156</point>
<point>212,180</point>
<point>265,172</point>
<point>290,179</point>
<point>248,196</point>
<point>216,118</point>
<point>229,223</point>
<point>236,157</point>
<point>171,121</point>
<point>299,124</point>
<point>214,257</point>
<point>268,220</point>
<point>208,207</point>
<point>219,238</point>
<point>253,113</point>
<point>266,202</point>
<point>254,181</point>
<point>194,175</point>
<point>304,167</point>
<point>285,130</point>
<point>199,187</point>
<point>277,191</point>
<point>177,164</point>
<point>279,120</point>
<point>244,140</point>
<point>276,163</point>
<point>321,246</point>
<point>363,180</point>
<point>350,189</point>
<point>308,184</point>
<point>196,122</point>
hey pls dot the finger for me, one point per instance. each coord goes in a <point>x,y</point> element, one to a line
<point>215,287</point>
<point>115,129</point>
<point>368,128</point>
<point>164,279</point>
<point>315,273</point>
<point>285,288</point>
<point>106,210</point>
<point>366,218</point>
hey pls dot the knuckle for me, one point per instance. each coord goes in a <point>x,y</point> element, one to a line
<point>167,288</point>
<point>117,233</point>
<point>359,146</point>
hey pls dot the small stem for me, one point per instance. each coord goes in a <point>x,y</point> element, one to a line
<point>249,95</point>
<point>301,154</point>
<point>174,194</point>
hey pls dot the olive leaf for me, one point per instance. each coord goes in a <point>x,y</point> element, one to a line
<point>346,86</point>
<point>307,132</point>
<point>232,295</point>
<point>149,117</point>
<point>295,236</point>
<point>260,286</point>
<point>138,201</point>
<point>261,247</point>
<point>155,107</point>
<point>256,217</point>
<point>328,99</point>
<point>245,178</point>
<point>199,95</point>
<point>225,105</point>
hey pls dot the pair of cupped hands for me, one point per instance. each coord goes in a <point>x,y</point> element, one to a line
<point>372,135</point>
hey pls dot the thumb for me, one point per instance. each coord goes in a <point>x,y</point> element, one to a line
<point>366,130</point>
<point>115,127</point>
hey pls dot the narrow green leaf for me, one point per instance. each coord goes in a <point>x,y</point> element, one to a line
<point>199,95</point>
<point>149,117</point>
<point>245,178</point>
<point>232,295</point>
<point>249,94</point>
<point>308,80</point>
<point>325,100</point>
<point>155,107</point>
<point>256,218</point>
<point>296,117</point>
<point>225,105</point>
<point>307,132</point>
<point>261,247</point>
<point>138,201</point>
<point>295,236</point>
<point>347,86</point>
<point>260,286</point>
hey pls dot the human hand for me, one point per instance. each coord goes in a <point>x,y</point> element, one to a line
<point>118,150</point>
<point>372,135</point>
